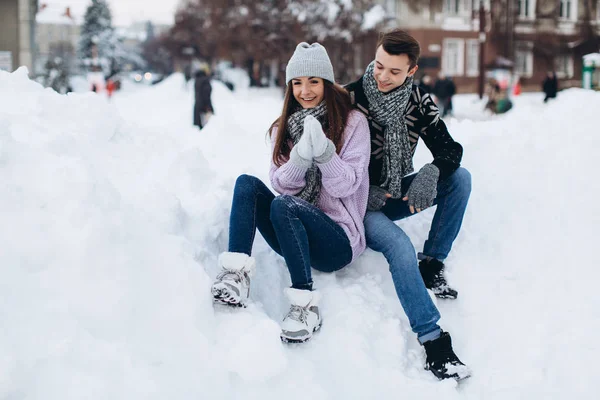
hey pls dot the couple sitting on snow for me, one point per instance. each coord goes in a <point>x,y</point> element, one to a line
<point>342,164</point>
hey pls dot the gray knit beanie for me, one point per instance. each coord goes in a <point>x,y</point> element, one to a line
<point>309,60</point>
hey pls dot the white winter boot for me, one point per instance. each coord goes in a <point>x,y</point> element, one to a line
<point>232,286</point>
<point>304,317</point>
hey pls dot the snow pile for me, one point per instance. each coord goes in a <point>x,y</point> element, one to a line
<point>113,214</point>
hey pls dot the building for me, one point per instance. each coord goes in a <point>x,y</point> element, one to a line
<point>535,35</point>
<point>17,32</point>
<point>57,35</point>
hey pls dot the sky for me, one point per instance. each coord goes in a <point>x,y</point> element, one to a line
<point>125,11</point>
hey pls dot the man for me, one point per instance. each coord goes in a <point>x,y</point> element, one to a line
<point>203,105</point>
<point>400,113</point>
<point>550,86</point>
<point>444,89</point>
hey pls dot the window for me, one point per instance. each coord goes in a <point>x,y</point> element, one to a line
<point>568,9</point>
<point>472,57</point>
<point>526,9</point>
<point>475,4</point>
<point>524,60</point>
<point>453,57</point>
<point>461,8</point>
<point>563,65</point>
<point>452,7</point>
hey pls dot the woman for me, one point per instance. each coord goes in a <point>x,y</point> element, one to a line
<point>319,165</point>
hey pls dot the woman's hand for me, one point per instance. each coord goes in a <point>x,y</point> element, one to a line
<point>304,145</point>
<point>319,141</point>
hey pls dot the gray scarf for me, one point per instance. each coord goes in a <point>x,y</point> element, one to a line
<point>295,128</point>
<point>388,110</point>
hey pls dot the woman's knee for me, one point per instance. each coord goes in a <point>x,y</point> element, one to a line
<point>245,186</point>
<point>244,181</point>
<point>281,206</point>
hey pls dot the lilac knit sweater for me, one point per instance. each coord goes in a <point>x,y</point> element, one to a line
<point>345,181</point>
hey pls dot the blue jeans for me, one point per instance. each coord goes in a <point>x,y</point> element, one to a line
<point>297,230</point>
<point>384,236</point>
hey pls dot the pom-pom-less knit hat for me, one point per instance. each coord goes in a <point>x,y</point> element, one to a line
<point>309,60</point>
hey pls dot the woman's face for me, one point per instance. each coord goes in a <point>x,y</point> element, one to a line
<point>308,91</point>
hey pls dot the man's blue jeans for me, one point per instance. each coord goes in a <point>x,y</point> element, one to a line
<point>384,236</point>
<point>297,230</point>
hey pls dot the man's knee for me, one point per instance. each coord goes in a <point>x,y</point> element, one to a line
<point>461,180</point>
<point>393,243</point>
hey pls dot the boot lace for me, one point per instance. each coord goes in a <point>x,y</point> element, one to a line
<point>237,276</point>
<point>298,313</point>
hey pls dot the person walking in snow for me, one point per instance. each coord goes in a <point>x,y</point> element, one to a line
<point>203,105</point>
<point>443,90</point>
<point>550,86</point>
<point>319,166</point>
<point>399,114</point>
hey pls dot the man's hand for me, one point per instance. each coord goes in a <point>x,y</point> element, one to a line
<point>377,198</point>
<point>423,189</point>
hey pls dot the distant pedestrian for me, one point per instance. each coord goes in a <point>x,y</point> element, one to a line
<point>498,101</point>
<point>110,87</point>
<point>443,90</point>
<point>203,105</point>
<point>517,86</point>
<point>425,84</point>
<point>550,86</point>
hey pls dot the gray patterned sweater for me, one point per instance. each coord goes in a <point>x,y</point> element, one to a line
<point>423,121</point>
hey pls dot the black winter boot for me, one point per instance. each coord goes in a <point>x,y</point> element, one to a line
<point>442,361</point>
<point>432,272</point>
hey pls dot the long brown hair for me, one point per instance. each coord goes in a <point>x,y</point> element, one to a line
<point>337,101</point>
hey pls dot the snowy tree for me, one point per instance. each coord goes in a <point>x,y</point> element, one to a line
<point>97,30</point>
<point>56,75</point>
<point>156,54</point>
<point>263,33</point>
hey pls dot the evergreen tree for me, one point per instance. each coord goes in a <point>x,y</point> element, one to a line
<point>97,29</point>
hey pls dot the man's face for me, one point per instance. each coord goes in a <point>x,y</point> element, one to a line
<point>391,71</point>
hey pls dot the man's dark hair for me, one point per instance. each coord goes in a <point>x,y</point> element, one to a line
<point>397,41</point>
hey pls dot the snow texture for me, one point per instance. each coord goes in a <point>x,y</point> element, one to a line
<point>113,214</point>
<point>373,17</point>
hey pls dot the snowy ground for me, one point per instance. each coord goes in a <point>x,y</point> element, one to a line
<point>113,214</point>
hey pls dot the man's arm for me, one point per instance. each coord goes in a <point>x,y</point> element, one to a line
<point>447,153</point>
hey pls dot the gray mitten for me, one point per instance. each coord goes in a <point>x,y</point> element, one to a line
<point>423,189</point>
<point>377,198</point>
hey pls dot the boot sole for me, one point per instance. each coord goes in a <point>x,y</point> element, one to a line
<point>454,376</point>
<point>445,296</point>
<point>223,297</point>
<point>285,339</point>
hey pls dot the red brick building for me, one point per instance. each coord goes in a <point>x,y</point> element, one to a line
<point>536,35</point>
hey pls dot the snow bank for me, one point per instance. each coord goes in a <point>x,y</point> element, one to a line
<point>113,214</point>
